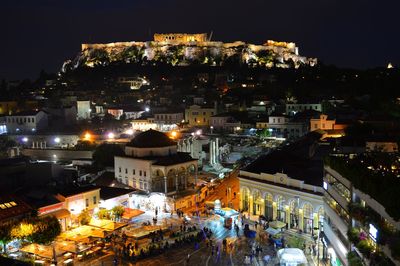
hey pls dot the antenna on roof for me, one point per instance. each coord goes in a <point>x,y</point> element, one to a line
<point>211,34</point>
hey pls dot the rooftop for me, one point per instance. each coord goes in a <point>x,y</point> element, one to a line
<point>151,139</point>
<point>71,190</point>
<point>113,192</point>
<point>298,160</point>
<point>11,207</point>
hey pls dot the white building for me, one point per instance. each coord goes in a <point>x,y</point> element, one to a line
<point>113,196</point>
<point>281,126</point>
<point>152,163</point>
<point>129,113</point>
<point>83,110</point>
<point>27,121</point>
<point>293,108</point>
<point>284,187</point>
<point>168,120</point>
<point>143,124</point>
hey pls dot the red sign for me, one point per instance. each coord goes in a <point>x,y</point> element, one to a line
<point>51,208</point>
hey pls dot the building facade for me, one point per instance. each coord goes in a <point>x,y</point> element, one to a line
<point>346,208</point>
<point>152,163</point>
<point>27,122</point>
<point>279,197</point>
<point>180,37</point>
<point>197,115</point>
<point>293,108</point>
<point>283,127</point>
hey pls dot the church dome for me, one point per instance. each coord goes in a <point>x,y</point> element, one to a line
<point>151,139</point>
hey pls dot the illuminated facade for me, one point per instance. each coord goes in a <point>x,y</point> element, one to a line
<point>180,37</point>
<point>152,163</point>
<point>197,115</point>
<point>279,197</point>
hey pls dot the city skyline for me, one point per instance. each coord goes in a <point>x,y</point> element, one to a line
<point>42,35</point>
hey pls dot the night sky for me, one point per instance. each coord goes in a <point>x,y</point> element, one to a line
<point>41,34</point>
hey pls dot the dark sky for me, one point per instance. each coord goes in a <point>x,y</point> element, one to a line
<point>41,34</point>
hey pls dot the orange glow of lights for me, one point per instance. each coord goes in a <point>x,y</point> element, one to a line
<point>87,136</point>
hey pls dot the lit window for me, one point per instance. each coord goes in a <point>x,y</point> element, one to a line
<point>87,203</point>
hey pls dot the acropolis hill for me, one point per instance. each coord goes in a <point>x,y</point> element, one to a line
<point>185,49</point>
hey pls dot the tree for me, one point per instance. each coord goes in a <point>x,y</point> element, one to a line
<point>84,217</point>
<point>104,154</point>
<point>46,230</point>
<point>264,133</point>
<point>103,214</point>
<point>5,234</point>
<point>118,211</point>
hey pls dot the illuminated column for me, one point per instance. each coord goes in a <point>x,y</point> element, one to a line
<point>316,218</point>
<point>176,183</point>
<point>274,210</point>
<point>211,151</point>
<point>301,220</point>
<point>251,204</point>
<point>241,200</point>
<point>195,176</point>
<point>287,210</point>
<point>262,207</point>
<point>165,185</point>
<point>217,150</point>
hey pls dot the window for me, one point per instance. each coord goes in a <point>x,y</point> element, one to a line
<point>323,125</point>
<point>204,120</point>
<point>29,119</point>
<point>204,113</point>
<point>133,171</point>
<point>33,120</point>
<point>94,200</point>
<point>144,173</point>
<point>195,119</point>
<point>126,170</point>
<point>140,173</point>
<point>87,203</point>
<point>141,184</point>
<point>120,169</point>
<point>145,185</point>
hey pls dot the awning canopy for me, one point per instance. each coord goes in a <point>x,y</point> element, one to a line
<point>59,214</point>
<point>277,224</point>
<point>130,213</point>
<point>272,231</point>
<point>291,256</point>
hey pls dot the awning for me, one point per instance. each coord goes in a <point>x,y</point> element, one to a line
<point>59,214</point>
<point>277,224</point>
<point>130,213</point>
<point>272,231</point>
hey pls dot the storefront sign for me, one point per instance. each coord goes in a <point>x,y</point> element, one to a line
<point>51,208</point>
<point>373,232</point>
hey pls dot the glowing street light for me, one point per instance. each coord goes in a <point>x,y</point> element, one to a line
<point>147,109</point>
<point>129,132</point>
<point>198,132</point>
<point>57,140</point>
<point>174,134</point>
<point>87,136</point>
<point>110,135</point>
<point>25,139</point>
